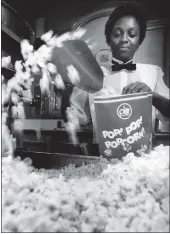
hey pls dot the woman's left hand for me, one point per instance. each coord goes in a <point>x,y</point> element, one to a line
<point>137,87</point>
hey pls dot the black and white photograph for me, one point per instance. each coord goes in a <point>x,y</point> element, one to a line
<point>85,116</point>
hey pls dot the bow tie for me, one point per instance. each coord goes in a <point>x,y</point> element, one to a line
<point>127,66</point>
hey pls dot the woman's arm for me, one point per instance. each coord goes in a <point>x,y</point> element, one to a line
<point>162,104</point>
<point>161,97</point>
<point>160,94</point>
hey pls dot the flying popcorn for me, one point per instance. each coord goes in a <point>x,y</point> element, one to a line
<point>13,85</point>
<point>62,38</point>
<point>6,61</point>
<point>58,41</point>
<point>73,124</point>
<point>47,36</point>
<point>26,48</point>
<point>71,129</point>
<point>35,69</point>
<point>20,109</point>
<point>5,94</point>
<point>7,146</point>
<point>38,133</point>
<point>58,81</point>
<point>73,74</point>
<point>18,66</point>
<point>18,125</point>
<point>78,33</point>
<point>52,68</point>
<point>4,117</point>
<point>44,54</point>
<point>44,83</point>
<point>14,111</point>
<point>52,42</point>
<point>72,116</point>
<point>107,91</point>
<point>15,98</point>
<point>92,46</point>
<point>27,95</point>
<point>31,60</point>
<point>18,89</point>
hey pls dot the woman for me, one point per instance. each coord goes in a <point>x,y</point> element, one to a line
<point>125,31</point>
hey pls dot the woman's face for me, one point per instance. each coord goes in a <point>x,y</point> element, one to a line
<point>125,38</point>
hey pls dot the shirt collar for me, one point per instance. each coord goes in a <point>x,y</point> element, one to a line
<point>120,62</point>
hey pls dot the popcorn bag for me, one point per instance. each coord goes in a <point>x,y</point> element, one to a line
<point>76,54</point>
<point>124,124</point>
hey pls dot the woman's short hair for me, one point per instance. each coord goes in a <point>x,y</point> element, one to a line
<point>126,10</point>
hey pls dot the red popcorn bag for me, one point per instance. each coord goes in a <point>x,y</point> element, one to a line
<point>124,124</point>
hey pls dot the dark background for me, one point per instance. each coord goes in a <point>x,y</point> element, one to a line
<point>61,14</point>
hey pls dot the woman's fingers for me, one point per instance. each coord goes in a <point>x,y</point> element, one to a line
<point>137,87</point>
<point>126,89</point>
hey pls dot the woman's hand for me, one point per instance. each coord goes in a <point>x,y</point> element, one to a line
<point>161,103</point>
<point>137,87</point>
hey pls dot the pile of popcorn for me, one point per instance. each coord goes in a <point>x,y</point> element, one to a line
<point>131,195</point>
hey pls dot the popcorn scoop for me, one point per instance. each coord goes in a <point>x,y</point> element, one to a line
<point>77,65</point>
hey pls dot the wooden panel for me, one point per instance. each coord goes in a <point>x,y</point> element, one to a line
<point>38,146</point>
<point>167,56</point>
<point>10,33</point>
<point>44,107</point>
<point>57,160</point>
<point>40,27</point>
<point>14,25</point>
